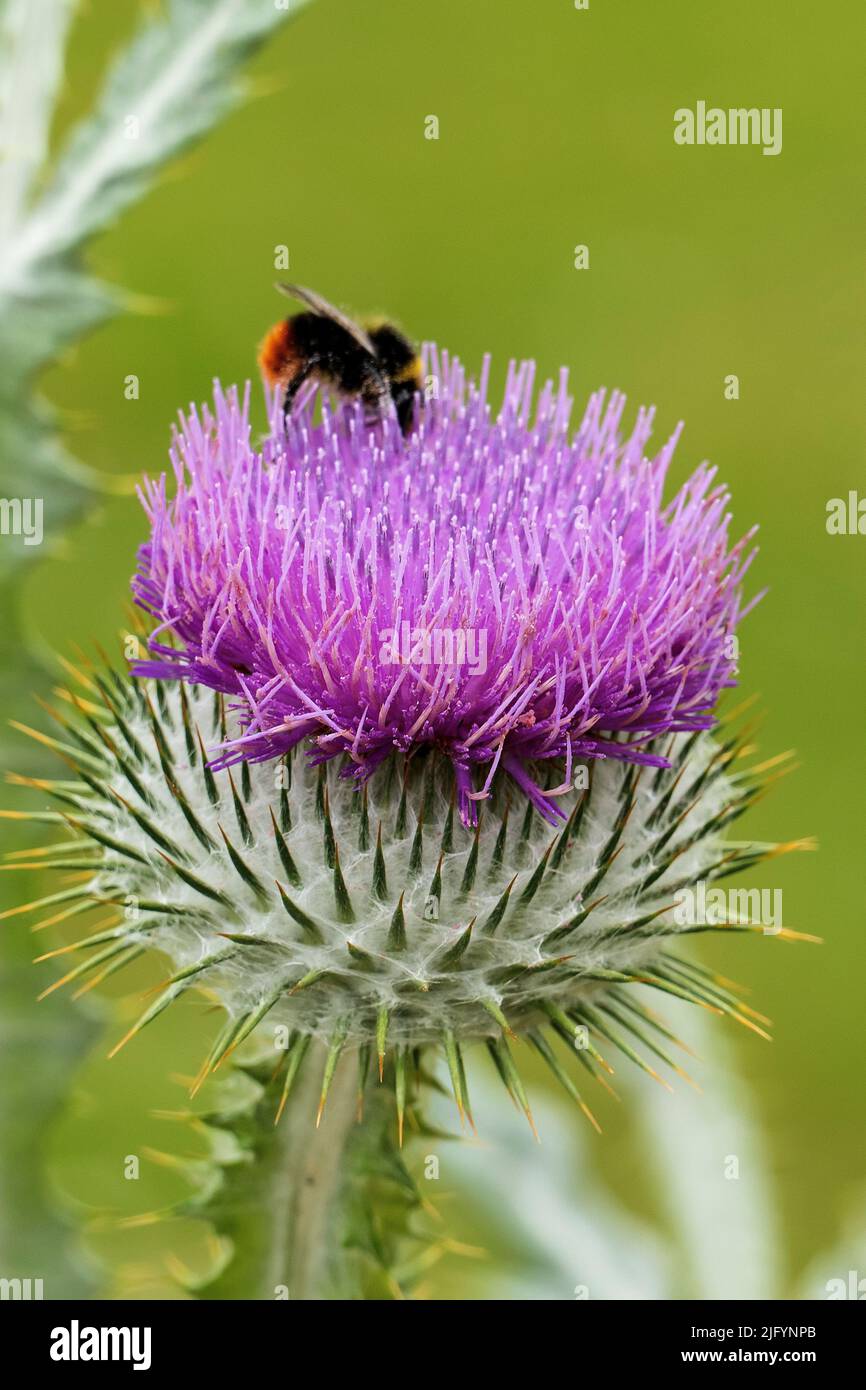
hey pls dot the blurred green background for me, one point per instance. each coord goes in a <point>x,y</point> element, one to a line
<point>555,129</point>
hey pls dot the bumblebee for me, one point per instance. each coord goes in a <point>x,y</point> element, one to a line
<point>374,362</point>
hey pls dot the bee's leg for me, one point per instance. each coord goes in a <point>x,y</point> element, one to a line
<point>293,387</point>
<point>404,395</point>
<point>374,393</point>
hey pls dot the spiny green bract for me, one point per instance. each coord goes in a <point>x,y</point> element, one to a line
<point>373,918</point>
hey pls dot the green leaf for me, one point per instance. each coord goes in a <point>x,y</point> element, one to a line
<point>175,81</point>
<point>27,91</point>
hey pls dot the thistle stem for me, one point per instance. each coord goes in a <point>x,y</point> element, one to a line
<point>308,1180</point>
<point>281,1211</point>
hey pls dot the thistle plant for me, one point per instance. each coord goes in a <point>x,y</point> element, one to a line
<point>423,753</point>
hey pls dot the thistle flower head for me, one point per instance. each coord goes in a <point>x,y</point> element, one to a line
<point>568,633</point>
<point>490,587</point>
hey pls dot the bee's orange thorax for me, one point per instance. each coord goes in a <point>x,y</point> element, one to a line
<point>278,356</point>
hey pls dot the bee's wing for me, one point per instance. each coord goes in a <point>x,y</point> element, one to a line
<point>321,306</point>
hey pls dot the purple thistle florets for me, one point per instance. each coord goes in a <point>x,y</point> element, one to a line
<point>487,586</point>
